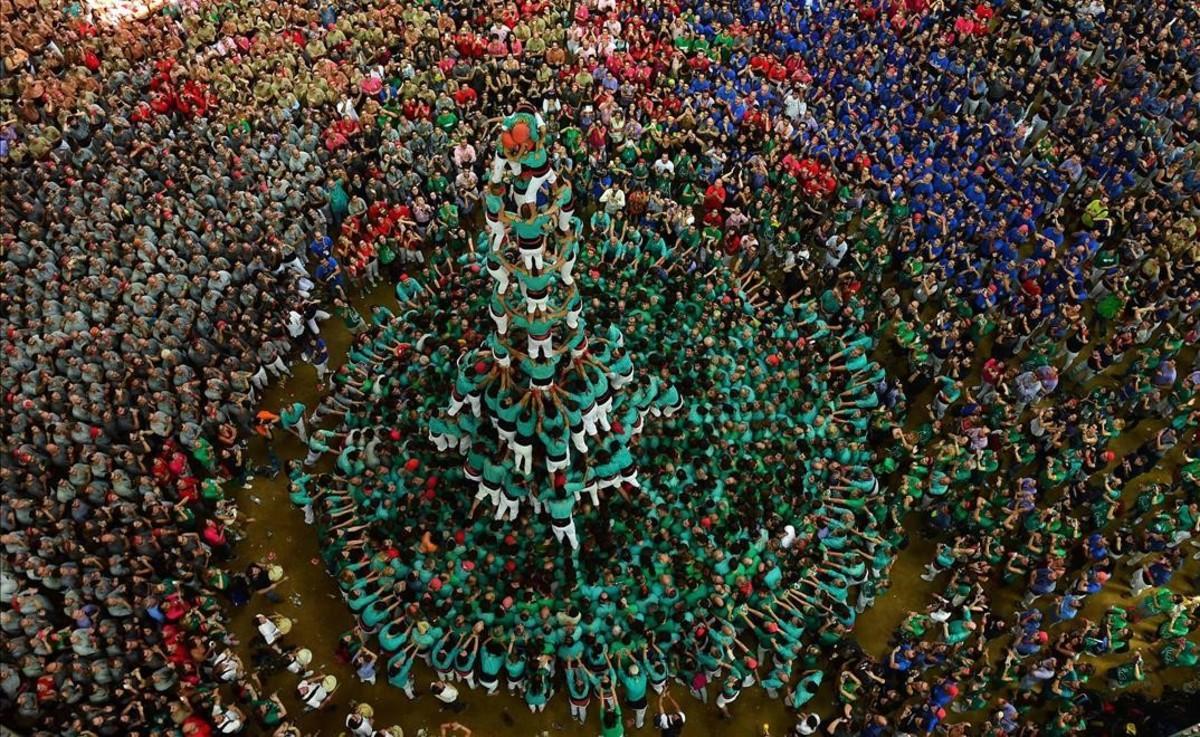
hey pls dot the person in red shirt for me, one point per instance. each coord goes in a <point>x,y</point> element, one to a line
<point>465,96</point>
<point>715,195</point>
<point>989,377</point>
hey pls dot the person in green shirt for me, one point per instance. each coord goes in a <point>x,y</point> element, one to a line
<point>633,678</point>
<point>291,418</point>
<point>1123,675</point>
<point>805,689</point>
<point>611,724</point>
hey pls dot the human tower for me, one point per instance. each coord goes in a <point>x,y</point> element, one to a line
<point>542,411</point>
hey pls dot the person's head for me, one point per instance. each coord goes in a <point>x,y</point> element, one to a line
<point>610,719</point>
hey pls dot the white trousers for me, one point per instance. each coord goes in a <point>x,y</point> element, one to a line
<point>533,259</point>
<point>560,465</point>
<point>568,533</point>
<point>577,439</point>
<point>543,347</point>
<point>278,367</point>
<point>566,268</point>
<point>299,430</point>
<point>524,458</point>
<point>506,507</point>
<point>535,186</point>
<point>501,321</point>
<point>501,276</point>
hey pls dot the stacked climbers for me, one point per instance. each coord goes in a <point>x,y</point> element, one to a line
<point>542,411</point>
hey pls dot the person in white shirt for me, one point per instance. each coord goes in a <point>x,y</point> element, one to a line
<point>664,167</point>
<point>789,537</point>
<point>295,324</point>
<point>447,694</point>
<point>669,722</point>
<point>794,106</point>
<point>359,725</point>
<point>613,200</point>
<point>313,693</point>
<point>228,719</point>
<point>835,250</point>
<point>267,629</point>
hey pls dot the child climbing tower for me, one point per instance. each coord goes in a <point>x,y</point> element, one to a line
<point>542,412</point>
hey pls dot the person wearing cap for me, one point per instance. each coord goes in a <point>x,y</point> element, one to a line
<point>268,629</point>
<point>299,661</point>
<point>633,679</point>
<point>315,692</point>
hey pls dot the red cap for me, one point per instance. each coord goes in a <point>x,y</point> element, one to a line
<point>412,464</point>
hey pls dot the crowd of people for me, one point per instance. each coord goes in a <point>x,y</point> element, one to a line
<point>895,257</point>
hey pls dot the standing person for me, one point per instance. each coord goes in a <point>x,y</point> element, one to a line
<point>579,691</point>
<point>448,695</point>
<point>610,715</point>
<point>634,681</point>
<point>318,356</point>
<point>669,723</point>
<point>364,665</point>
<point>291,418</point>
